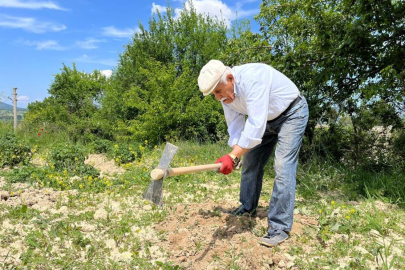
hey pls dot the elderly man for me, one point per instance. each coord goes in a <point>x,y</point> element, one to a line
<point>277,115</point>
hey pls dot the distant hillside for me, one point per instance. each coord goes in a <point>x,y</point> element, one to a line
<point>7,107</point>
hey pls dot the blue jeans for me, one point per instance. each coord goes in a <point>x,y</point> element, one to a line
<point>286,132</point>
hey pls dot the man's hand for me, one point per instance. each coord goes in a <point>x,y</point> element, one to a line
<point>227,164</point>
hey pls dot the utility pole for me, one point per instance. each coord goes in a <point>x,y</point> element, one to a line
<point>15,107</point>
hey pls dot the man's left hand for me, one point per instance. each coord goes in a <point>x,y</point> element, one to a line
<point>227,164</point>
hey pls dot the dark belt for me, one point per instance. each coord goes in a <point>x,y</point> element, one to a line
<point>292,104</point>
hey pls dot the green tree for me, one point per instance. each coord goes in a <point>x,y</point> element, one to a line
<point>356,46</point>
<point>154,93</point>
<point>244,46</point>
<point>72,104</point>
<point>345,53</point>
<point>290,33</point>
<point>170,109</point>
<point>77,91</point>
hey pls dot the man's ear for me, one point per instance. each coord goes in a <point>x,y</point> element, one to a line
<point>230,78</point>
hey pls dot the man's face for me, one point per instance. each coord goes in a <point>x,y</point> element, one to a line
<point>225,92</point>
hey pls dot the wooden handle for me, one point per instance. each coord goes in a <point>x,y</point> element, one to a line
<point>157,174</point>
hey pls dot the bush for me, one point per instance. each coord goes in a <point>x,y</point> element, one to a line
<point>67,157</point>
<point>399,147</point>
<point>70,158</point>
<point>332,141</point>
<point>13,152</point>
<point>25,174</point>
<point>85,176</point>
<point>86,170</point>
<point>126,153</point>
<point>100,146</point>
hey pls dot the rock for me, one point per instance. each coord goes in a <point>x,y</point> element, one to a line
<point>64,210</point>
<point>4,195</point>
<point>42,205</point>
<point>100,214</point>
<point>2,182</point>
<point>84,227</point>
<point>31,202</point>
<point>290,265</point>
<point>110,243</point>
<point>74,179</point>
<point>126,256</point>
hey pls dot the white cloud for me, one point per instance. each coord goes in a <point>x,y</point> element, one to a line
<point>29,4</point>
<point>107,73</point>
<point>213,8</point>
<point>243,13</point>
<point>23,98</point>
<point>49,45</point>
<point>44,45</point>
<point>22,101</point>
<point>247,1</point>
<point>93,60</point>
<point>246,13</point>
<point>30,24</point>
<point>89,43</point>
<point>111,31</point>
<point>159,8</point>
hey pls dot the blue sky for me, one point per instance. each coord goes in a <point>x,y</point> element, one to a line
<point>38,36</point>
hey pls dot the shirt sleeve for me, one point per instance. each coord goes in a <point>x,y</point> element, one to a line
<point>235,122</point>
<point>257,102</point>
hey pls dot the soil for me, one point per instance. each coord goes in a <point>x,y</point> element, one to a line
<point>201,236</point>
<point>105,166</point>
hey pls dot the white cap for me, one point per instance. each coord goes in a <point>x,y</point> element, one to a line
<point>210,75</point>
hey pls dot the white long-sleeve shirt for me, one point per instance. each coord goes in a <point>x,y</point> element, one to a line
<point>261,93</point>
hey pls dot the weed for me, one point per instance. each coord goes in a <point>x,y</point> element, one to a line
<point>13,152</point>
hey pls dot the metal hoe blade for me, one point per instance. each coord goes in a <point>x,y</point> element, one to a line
<point>155,189</point>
